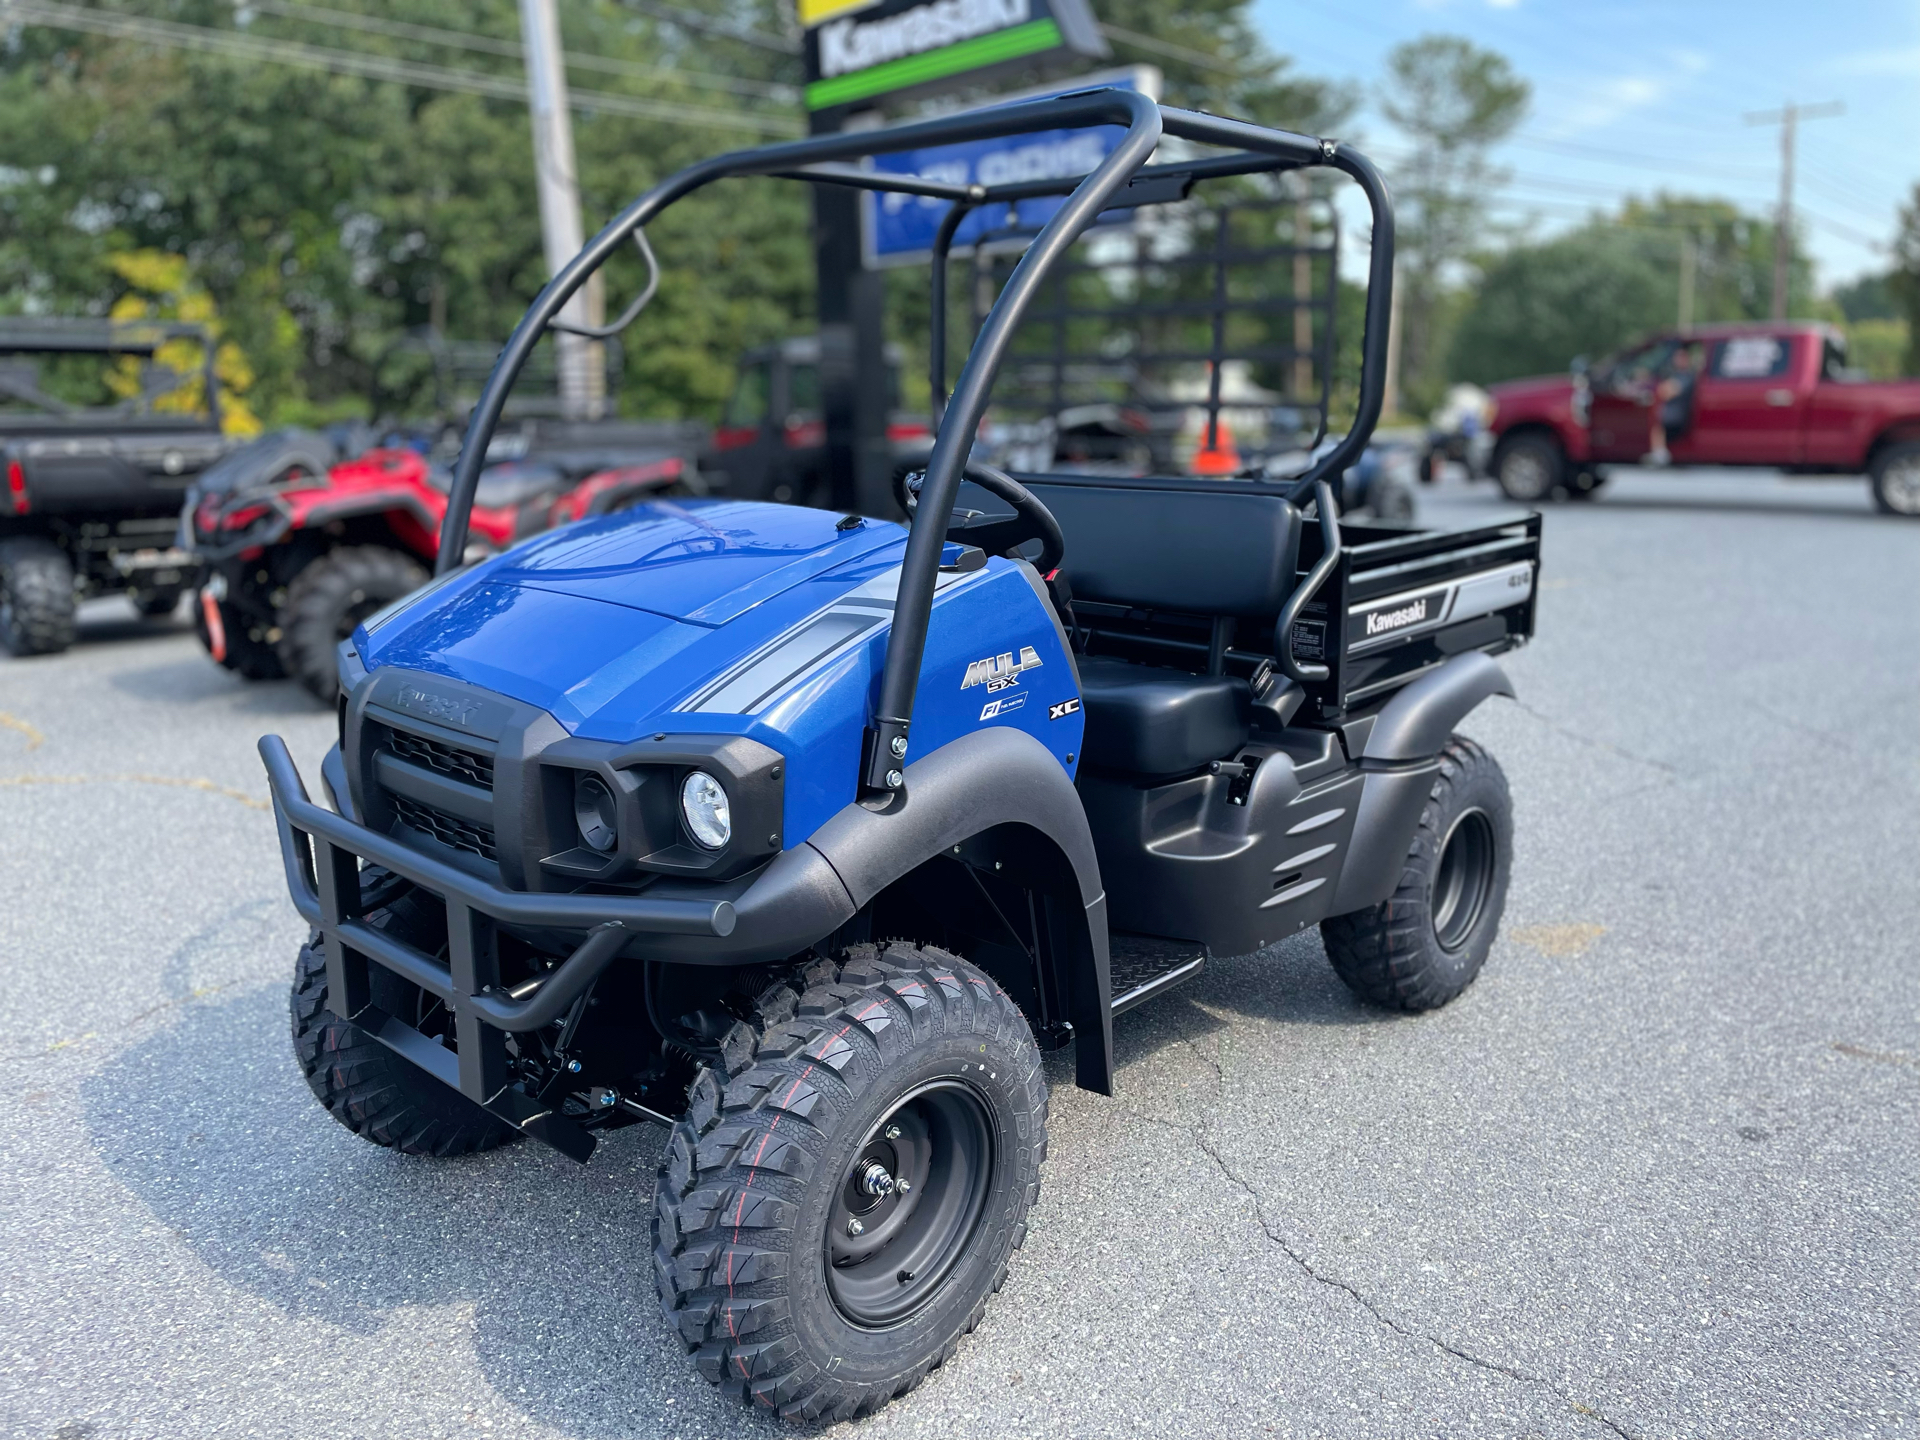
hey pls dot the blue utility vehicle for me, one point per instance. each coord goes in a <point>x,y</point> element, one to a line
<point>803,834</point>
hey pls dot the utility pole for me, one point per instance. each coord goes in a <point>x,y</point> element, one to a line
<point>581,362</point>
<point>1687,262</point>
<point>1788,118</point>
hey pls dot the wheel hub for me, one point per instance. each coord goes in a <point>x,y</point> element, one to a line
<point>909,1204</point>
<point>1901,486</point>
<point>1463,879</point>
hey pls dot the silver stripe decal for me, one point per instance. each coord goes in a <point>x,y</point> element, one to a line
<point>1314,822</point>
<point>1305,857</point>
<point>1293,892</point>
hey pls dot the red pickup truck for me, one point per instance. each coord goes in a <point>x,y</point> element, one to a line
<point>1774,395</point>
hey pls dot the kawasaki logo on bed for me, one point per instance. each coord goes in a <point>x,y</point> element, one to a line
<point>1374,623</point>
<point>1001,671</point>
<point>871,48</point>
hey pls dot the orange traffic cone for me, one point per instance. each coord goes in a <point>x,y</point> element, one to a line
<point>1218,457</point>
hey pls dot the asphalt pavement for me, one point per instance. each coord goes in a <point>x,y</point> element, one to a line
<point>1653,1176</point>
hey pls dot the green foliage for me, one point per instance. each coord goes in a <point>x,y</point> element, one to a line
<point>1588,292</point>
<point>1868,298</point>
<point>1904,280</point>
<point>1880,347</point>
<point>1454,101</point>
<point>327,218</point>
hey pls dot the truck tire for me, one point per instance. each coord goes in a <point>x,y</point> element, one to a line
<point>1425,943</point>
<point>36,596</point>
<point>1585,485</point>
<point>1389,498</point>
<point>1529,468</point>
<point>791,1265</point>
<point>332,595</point>
<point>363,1084</point>
<point>1895,477</point>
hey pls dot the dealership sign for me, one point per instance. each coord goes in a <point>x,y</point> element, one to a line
<point>900,228</point>
<point>874,50</point>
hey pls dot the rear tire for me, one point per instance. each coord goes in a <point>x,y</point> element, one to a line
<point>898,1057</point>
<point>1895,478</point>
<point>36,596</point>
<point>1425,943</point>
<point>1529,469</point>
<point>364,1085</point>
<point>331,596</point>
<point>1389,499</point>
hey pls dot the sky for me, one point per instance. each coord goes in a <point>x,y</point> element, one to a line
<point>1637,96</point>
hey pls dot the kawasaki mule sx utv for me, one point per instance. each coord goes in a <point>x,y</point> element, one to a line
<point>802,834</point>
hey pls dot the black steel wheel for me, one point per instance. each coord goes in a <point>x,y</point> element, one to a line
<point>1424,944</point>
<point>848,1187</point>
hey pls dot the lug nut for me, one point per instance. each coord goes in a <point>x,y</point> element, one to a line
<point>903,1186</point>
<point>893,1132</point>
<point>854,1227</point>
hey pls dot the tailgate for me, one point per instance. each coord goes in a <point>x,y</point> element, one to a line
<point>1398,605</point>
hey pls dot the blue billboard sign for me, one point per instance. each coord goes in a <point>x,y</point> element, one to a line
<point>900,228</point>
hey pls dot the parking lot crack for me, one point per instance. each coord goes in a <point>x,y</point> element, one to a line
<point>1381,1317</point>
<point>1606,745</point>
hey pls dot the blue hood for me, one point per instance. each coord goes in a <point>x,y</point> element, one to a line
<point>702,561</point>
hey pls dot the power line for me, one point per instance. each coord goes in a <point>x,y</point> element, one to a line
<point>239,45</point>
<point>713,25</point>
<point>508,49</point>
<point>1135,40</point>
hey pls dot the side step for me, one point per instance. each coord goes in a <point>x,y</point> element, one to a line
<point>1143,966</point>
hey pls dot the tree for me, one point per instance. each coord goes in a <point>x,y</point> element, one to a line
<point>1904,280</point>
<point>1454,101</point>
<point>1537,305</point>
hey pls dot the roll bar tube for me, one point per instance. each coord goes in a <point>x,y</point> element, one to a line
<point>1145,124</point>
<point>1086,108</point>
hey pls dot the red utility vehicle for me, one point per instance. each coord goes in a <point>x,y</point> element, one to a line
<point>300,546</point>
<point>1779,395</point>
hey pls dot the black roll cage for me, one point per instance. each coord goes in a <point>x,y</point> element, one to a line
<point>821,160</point>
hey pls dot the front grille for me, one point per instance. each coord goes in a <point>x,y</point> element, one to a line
<point>467,765</point>
<point>447,829</point>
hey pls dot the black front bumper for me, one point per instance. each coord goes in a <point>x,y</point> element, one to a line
<point>780,911</point>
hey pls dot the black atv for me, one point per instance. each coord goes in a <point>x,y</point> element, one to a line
<point>99,441</point>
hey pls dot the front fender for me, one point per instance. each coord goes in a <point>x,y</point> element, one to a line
<point>995,777</point>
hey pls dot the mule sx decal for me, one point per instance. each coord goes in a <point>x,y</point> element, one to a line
<point>1000,671</point>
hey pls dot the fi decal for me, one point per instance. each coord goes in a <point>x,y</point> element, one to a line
<point>1005,705</point>
<point>1064,709</point>
<point>1001,671</point>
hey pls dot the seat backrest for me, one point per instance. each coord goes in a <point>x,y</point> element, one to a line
<point>1207,552</point>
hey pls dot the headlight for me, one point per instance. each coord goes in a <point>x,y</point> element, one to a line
<point>704,806</point>
<point>594,813</point>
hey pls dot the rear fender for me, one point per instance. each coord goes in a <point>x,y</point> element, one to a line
<point>1400,756</point>
<point>998,792</point>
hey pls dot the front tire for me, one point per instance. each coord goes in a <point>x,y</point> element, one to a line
<point>1895,478</point>
<point>1529,469</point>
<point>36,596</point>
<point>363,1084</point>
<point>1424,944</point>
<point>329,598</point>
<point>790,1259</point>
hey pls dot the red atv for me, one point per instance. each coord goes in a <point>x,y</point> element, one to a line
<point>301,544</point>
